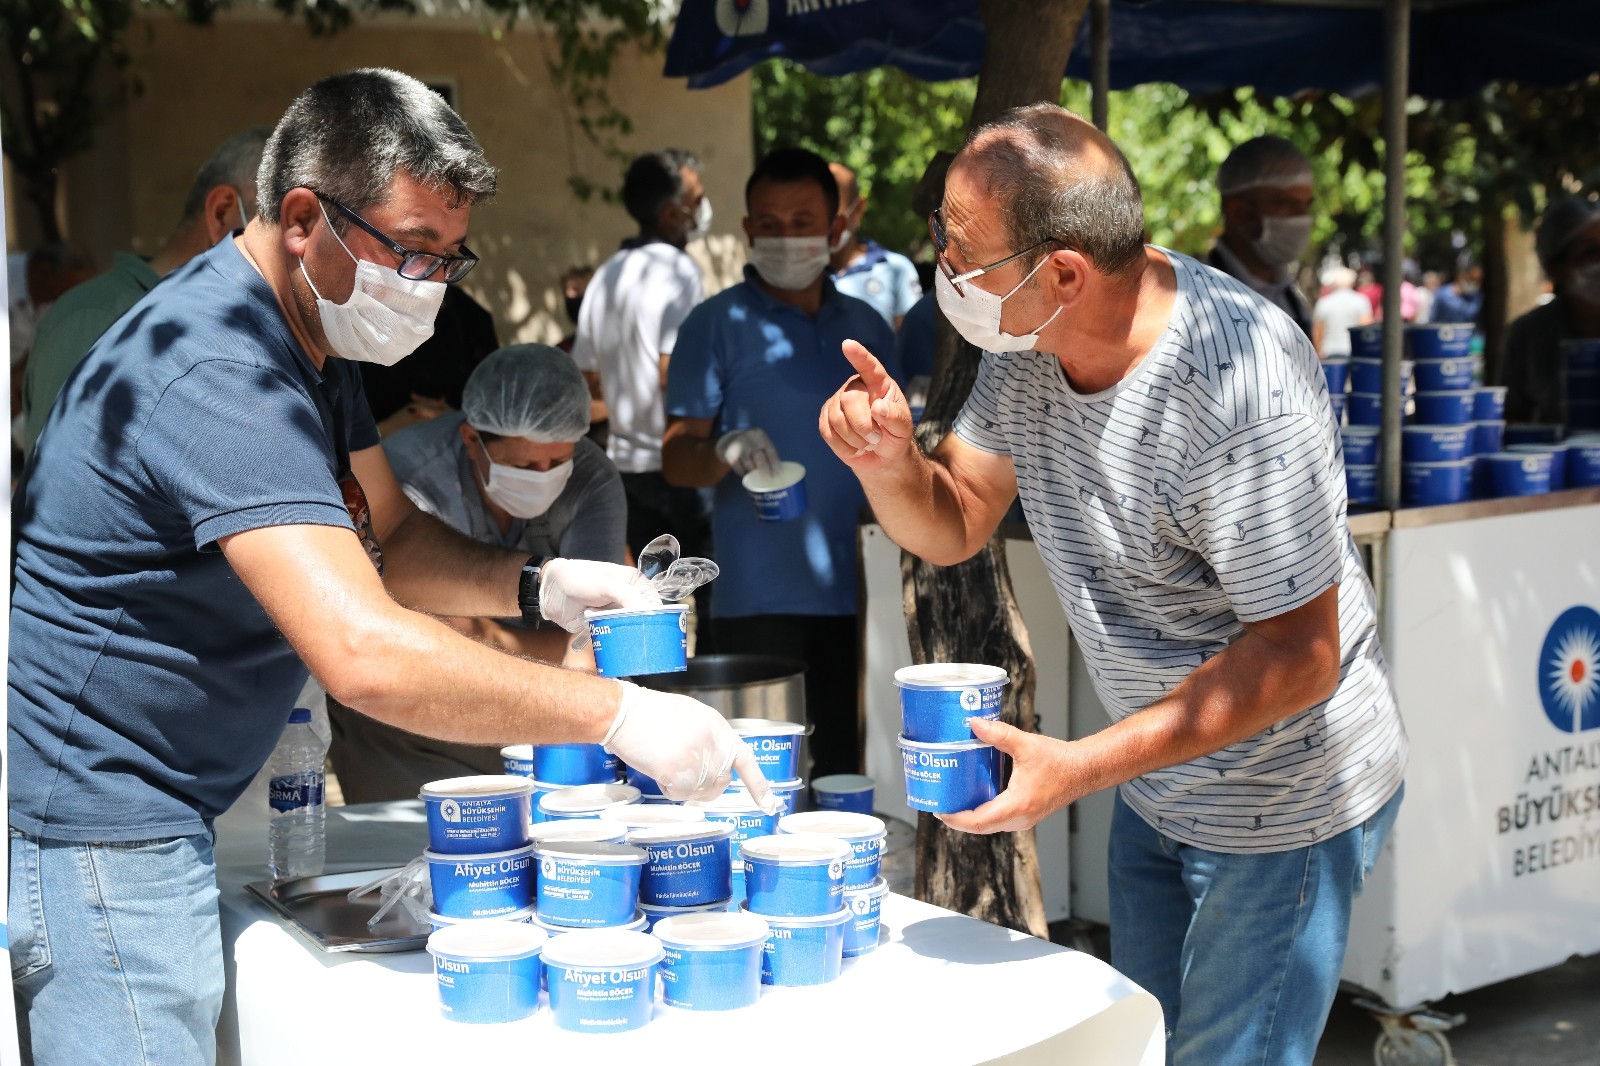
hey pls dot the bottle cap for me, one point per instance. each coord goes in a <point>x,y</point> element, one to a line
<point>299,715</point>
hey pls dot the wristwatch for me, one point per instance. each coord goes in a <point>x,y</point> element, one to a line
<point>528,589</point>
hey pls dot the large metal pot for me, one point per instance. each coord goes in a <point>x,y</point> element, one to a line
<point>741,686</point>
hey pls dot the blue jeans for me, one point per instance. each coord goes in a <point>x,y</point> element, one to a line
<point>1242,951</point>
<point>116,951</point>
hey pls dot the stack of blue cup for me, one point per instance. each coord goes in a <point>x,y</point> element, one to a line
<point>556,766</point>
<point>795,882</point>
<point>864,884</point>
<point>947,768</point>
<point>480,863</point>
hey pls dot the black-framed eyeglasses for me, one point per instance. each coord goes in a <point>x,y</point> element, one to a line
<point>941,241</point>
<point>414,266</point>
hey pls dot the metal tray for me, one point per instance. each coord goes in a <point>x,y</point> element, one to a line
<point>320,910</point>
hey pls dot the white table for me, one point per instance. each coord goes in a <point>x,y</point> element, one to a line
<point>941,988</point>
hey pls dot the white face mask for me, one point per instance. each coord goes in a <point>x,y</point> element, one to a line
<point>1584,285</point>
<point>386,317</point>
<point>525,493</point>
<point>1283,240</point>
<point>702,220</point>
<point>976,316</point>
<point>845,234</point>
<point>789,263</point>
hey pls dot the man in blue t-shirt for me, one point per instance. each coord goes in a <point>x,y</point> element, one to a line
<point>862,267</point>
<point>206,510</point>
<point>747,367</point>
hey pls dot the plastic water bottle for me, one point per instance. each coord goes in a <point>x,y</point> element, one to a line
<point>296,844</point>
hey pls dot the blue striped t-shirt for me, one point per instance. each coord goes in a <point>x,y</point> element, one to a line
<point>1202,491</point>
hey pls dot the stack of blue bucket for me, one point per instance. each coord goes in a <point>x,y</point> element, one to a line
<point>864,883</point>
<point>556,766</point>
<point>947,768</point>
<point>795,883</point>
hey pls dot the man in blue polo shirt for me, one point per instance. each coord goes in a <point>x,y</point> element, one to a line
<point>207,510</point>
<point>747,365</point>
<point>864,268</point>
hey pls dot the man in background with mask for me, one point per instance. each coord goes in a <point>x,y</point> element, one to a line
<point>1568,244</point>
<point>1170,438</point>
<point>1267,193</point>
<point>1462,299</point>
<point>864,268</point>
<point>514,469</point>
<point>749,364</point>
<point>208,515</point>
<point>628,325</point>
<point>220,201</point>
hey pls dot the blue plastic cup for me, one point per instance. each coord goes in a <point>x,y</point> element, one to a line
<point>1365,408</point>
<point>580,830</point>
<point>1520,473</point>
<point>936,699</point>
<point>789,793</point>
<point>586,801</point>
<point>587,884</point>
<point>775,745</point>
<point>1438,340</point>
<point>712,961</point>
<point>1433,484</point>
<point>437,921</point>
<point>574,764</point>
<point>1361,484</point>
<point>517,760</point>
<point>1366,342</point>
<point>628,643</point>
<point>1337,404</point>
<point>602,980</point>
<point>947,778</point>
<point>689,864</point>
<point>865,903</point>
<point>642,781</point>
<point>1360,445</point>
<point>779,497</point>
<point>843,792</point>
<point>1438,375</point>
<point>1489,403</point>
<point>795,874</point>
<point>487,972</point>
<point>1337,371</point>
<point>636,923</point>
<point>477,815</point>
<point>654,914</point>
<point>866,835</point>
<point>1447,408</point>
<point>653,815</point>
<point>1488,437</point>
<point>803,951</point>
<point>1366,375</point>
<point>1435,444</point>
<point>481,886</point>
<point>1531,433</point>
<point>1558,464</point>
<point>738,810</point>
<point>1583,461</point>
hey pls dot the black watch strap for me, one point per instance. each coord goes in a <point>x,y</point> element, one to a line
<point>528,589</point>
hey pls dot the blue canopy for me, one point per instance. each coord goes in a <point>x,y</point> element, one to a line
<point>1201,45</point>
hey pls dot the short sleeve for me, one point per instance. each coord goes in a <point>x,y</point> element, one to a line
<point>980,423</point>
<point>583,347</point>
<point>1265,508</point>
<point>233,446</point>
<point>694,377</point>
<point>363,431</point>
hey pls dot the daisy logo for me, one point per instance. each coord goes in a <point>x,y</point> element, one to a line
<point>1569,671</point>
<point>548,868</point>
<point>971,699</point>
<point>450,811</point>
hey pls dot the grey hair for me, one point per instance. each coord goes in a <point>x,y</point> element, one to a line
<point>348,135</point>
<point>1260,162</point>
<point>235,163</point>
<point>1040,163</point>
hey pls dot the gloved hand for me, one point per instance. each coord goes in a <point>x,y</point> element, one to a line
<point>568,587</point>
<point>748,449</point>
<point>688,748</point>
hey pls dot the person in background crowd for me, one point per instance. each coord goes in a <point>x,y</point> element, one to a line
<point>863,268</point>
<point>1427,293</point>
<point>627,329</point>
<point>34,282</point>
<point>207,515</point>
<point>512,469</point>
<point>1568,245</point>
<point>1337,310</point>
<point>1462,299</point>
<point>1367,285</point>
<point>220,201</point>
<point>1169,436</point>
<point>428,382</point>
<point>749,364</point>
<point>1267,193</point>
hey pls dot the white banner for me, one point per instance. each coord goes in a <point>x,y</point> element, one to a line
<point>1494,867</point>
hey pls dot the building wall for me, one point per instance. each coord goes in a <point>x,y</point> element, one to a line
<point>201,84</point>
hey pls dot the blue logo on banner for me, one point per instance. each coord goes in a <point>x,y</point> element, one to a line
<point>1569,671</point>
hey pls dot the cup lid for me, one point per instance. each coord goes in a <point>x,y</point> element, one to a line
<point>517,751</point>
<point>575,829</point>
<point>618,612</point>
<point>639,815</point>
<point>843,783</point>
<point>487,939</point>
<point>756,727</point>
<point>477,785</point>
<point>846,825</point>
<point>580,798</point>
<point>663,834</point>
<point>949,675</point>
<point>796,849</point>
<point>734,801</point>
<point>607,948</point>
<point>710,930</point>
<point>450,857</point>
<point>595,851</point>
<point>838,917</point>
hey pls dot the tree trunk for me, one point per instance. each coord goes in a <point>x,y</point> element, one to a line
<point>968,612</point>
<point>1496,285</point>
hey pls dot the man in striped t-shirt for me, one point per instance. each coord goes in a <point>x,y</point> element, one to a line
<point>1170,437</point>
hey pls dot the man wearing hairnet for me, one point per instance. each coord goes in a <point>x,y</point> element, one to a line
<point>1266,190</point>
<point>513,468</point>
<point>1568,243</point>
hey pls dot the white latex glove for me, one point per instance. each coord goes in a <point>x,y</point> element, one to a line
<point>746,450</point>
<point>568,587</point>
<point>688,748</point>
